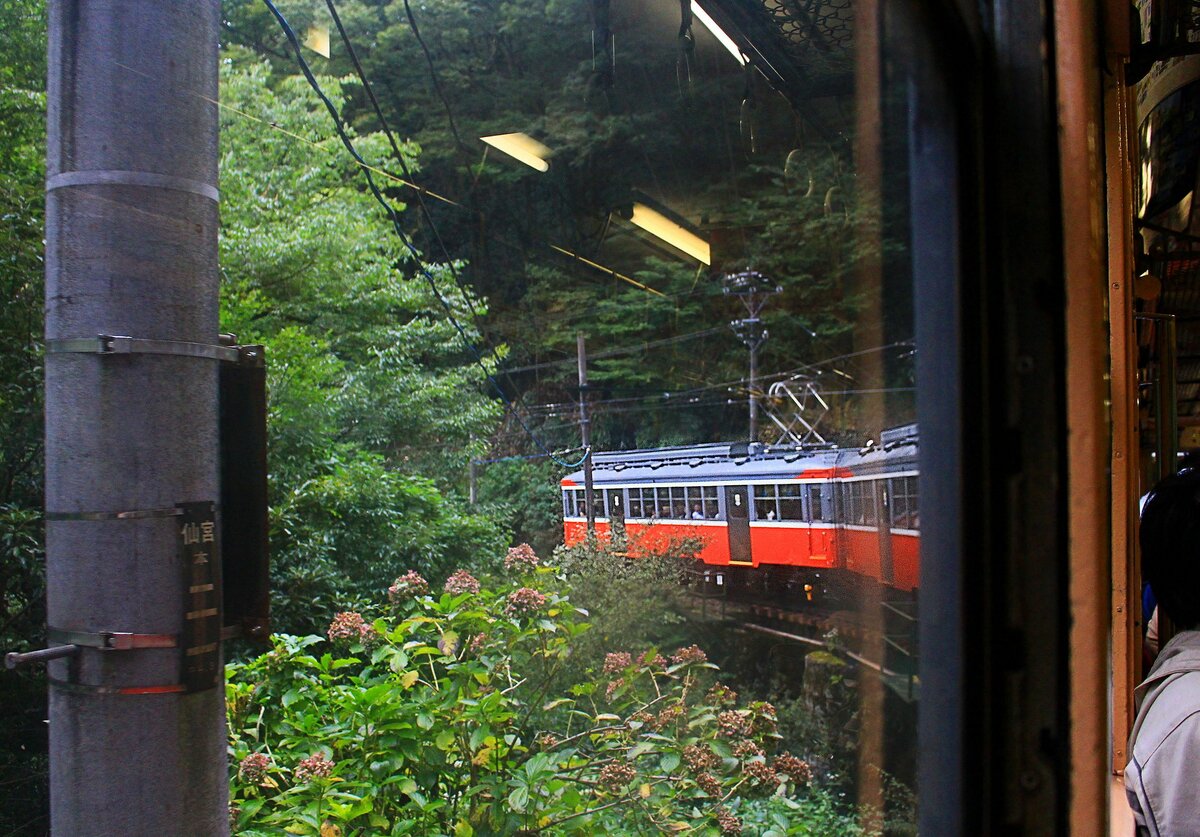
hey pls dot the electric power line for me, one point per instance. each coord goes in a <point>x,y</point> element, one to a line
<point>393,216</point>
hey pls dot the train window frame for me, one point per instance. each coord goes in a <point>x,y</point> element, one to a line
<point>765,496</point>
<point>786,501</point>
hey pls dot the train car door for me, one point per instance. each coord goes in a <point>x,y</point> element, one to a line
<point>616,504</point>
<point>737,516</point>
<point>883,506</point>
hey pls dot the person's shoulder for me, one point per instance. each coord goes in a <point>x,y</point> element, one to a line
<point>1170,717</point>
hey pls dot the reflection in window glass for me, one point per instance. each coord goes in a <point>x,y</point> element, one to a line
<point>677,193</point>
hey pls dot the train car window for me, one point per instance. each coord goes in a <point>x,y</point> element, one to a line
<point>679,507</point>
<point>791,506</point>
<point>904,502</point>
<point>765,506</point>
<point>635,503</point>
<point>712,507</point>
<point>872,498</point>
<point>815,510</point>
<point>649,503</point>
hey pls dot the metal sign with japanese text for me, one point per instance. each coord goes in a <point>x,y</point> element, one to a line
<point>199,553</point>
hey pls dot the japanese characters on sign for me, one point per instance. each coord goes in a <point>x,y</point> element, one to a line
<point>200,557</point>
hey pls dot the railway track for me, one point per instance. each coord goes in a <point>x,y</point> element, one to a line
<point>878,633</point>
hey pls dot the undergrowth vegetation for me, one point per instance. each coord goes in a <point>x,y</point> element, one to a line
<point>465,709</point>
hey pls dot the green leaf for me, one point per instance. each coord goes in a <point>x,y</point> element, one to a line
<point>721,748</point>
<point>519,799</point>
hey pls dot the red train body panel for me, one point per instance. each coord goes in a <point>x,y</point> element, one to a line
<point>825,511</point>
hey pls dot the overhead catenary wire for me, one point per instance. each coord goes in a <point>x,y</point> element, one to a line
<point>393,216</point>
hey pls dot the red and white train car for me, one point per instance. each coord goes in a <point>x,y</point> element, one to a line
<point>817,512</point>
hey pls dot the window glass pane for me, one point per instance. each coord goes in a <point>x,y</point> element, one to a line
<point>764,502</point>
<point>815,511</point>
<point>790,508</point>
<point>869,502</point>
<point>793,182</point>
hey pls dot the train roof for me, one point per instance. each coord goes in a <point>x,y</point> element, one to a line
<point>743,460</point>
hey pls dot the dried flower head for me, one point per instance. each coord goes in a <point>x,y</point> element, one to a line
<point>612,687</point>
<point>733,723</point>
<point>313,767</point>
<point>764,717</point>
<point>642,717</point>
<point>617,662</point>
<point>691,654</point>
<point>524,600</point>
<point>234,814</point>
<point>722,695</point>
<point>461,581</point>
<point>668,716</point>
<point>477,643</point>
<point>254,767</point>
<point>727,822</point>
<point>746,749</point>
<point>794,768</point>
<point>349,626</point>
<point>548,741</point>
<point>760,773</point>
<point>709,784</point>
<point>654,659</point>
<point>408,586</point>
<point>617,775</point>
<point>521,558</point>
<point>699,758</point>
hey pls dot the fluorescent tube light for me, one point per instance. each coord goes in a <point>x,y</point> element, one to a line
<point>718,33</point>
<point>663,227</point>
<point>521,147</point>
<point>317,40</point>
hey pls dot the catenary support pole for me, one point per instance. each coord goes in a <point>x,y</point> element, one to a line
<point>585,433</point>
<point>136,746</point>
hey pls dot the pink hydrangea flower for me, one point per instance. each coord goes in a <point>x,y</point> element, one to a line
<point>350,626</point>
<point>408,586</point>
<point>617,662</point>
<point>524,600</point>
<point>313,767</point>
<point>691,654</point>
<point>461,582</point>
<point>253,767</point>
<point>521,558</point>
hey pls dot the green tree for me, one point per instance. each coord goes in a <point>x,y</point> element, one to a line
<point>22,557</point>
<point>370,384</point>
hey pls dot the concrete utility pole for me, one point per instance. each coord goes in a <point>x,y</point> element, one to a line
<point>585,433</point>
<point>137,740</point>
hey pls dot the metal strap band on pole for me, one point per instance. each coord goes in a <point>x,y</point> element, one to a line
<point>108,344</point>
<point>135,514</point>
<point>88,689</point>
<point>147,179</point>
<point>111,640</point>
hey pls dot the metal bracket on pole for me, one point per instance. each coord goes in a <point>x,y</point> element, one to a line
<point>70,643</point>
<point>133,514</point>
<point>91,689</point>
<point>112,640</point>
<point>111,344</point>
